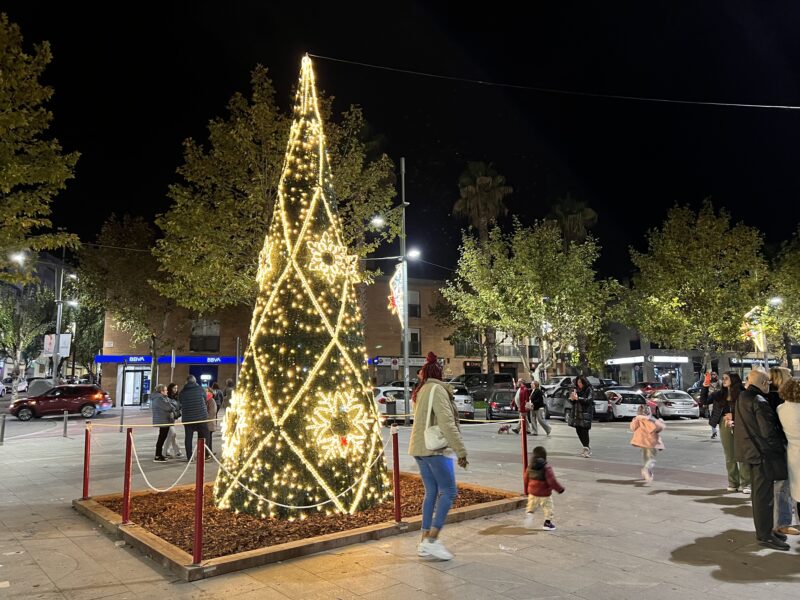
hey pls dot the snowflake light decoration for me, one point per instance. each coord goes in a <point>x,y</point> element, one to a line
<point>331,259</point>
<point>339,426</point>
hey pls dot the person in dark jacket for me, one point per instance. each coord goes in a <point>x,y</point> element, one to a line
<point>540,482</point>
<point>582,412</point>
<point>757,442</point>
<point>163,417</point>
<point>537,405</point>
<point>193,408</point>
<point>723,404</point>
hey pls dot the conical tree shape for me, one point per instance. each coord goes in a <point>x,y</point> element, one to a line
<point>302,431</point>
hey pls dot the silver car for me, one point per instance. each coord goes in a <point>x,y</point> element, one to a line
<point>673,403</point>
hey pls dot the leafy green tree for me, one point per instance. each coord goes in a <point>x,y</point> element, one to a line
<point>25,317</point>
<point>482,191</point>
<point>119,274</point>
<point>32,168</point>
<point>783,314</point>
<point>574,217</point>
<point>222,207</point>
<point>89,321</point>
<point>697,280</point>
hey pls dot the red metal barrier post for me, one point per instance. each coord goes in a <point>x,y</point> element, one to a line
<point>87,455</point>
<point>126,489</point>
<point>523,430</point>
<point>200,457</point>
<point>396,474</point>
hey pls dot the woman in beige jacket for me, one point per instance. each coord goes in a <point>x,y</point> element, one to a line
<point>435,468</point>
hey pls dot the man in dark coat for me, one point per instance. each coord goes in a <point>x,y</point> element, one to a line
<point>193,408</point>
<point>757,442</point>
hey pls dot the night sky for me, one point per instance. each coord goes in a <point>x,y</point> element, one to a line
<point>132,83</point>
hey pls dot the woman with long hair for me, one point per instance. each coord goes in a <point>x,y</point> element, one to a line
<point>723,408</point>
<point>783,497</point>
<point>434,407</point>
<point>582,412</point>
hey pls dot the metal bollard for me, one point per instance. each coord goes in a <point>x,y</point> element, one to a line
<point>65,422</point>
<point>200,457</point>
<point>396,474</point>
<point>523,429</point>
<point>87,455</point>
<point>2,428</point>
<point>126,486</point>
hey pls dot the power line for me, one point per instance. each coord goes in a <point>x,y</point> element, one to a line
<point>546,90</point>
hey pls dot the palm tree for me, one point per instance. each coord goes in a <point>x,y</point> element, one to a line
<point>482,191</point>
<point>574,217</point>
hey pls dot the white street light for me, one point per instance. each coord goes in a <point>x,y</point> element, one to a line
<point>776,300</point>
<point>378,221</point>
<point>72,276</point>
<point>73,303</point>
<point>18,257</point>
<point>414,253</point>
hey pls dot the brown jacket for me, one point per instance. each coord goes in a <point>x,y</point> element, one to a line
<point>444,414</point>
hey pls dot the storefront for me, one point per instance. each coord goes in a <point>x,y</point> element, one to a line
<point>131,377</point>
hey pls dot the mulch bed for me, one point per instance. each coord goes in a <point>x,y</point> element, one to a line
<point>170,516</point>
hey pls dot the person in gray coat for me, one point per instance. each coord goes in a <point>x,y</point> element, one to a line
<point>193,408</point>
<point>163,416</point>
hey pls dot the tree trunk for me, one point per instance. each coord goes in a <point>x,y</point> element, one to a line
<point>583,358</point>
<point>491,356</point>
<point>787,346</point>
<point>153,365</point>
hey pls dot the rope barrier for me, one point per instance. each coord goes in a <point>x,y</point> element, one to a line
<point>154,425</point>
<point>272,502</point>
<point>386,417</point>
<point>147,481</point>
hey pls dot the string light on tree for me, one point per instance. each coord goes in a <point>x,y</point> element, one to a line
<point>303,428</point>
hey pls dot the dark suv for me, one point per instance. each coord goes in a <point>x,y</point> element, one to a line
<point>477,384</point>
<point>88,400</point>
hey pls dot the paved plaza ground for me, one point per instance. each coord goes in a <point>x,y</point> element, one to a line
<point>681,537</point>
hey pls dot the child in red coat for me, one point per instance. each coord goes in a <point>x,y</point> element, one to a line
<point>540,481</point>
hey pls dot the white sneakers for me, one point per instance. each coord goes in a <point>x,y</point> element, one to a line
<point>586,452</point>
<point>746,490</point>
<point>435,548</point>
<point>647,475</point>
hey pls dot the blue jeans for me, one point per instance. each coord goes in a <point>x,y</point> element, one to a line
<point>783,504</point>
<point>439,478</point>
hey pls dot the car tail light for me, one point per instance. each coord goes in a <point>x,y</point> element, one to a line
<point>695,404</point>
<point>668,403</point>
<point>494,404</point>
<point>381,400</point>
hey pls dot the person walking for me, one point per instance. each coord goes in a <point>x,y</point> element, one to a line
<point>163,418</point>
<point>211,409</point>
<point>193,408</point>
<point>228,393</point>
<point>172,437</point>
<point>540,482</point>
<point>783,498</point>
<point>581,412</point>
<point>647,436</point>
<point>521,401</point>
<point>537,406</point>
<point>789,416</point>
<point>758,442</point>
<point>435,409</point>
<point>723,405</point>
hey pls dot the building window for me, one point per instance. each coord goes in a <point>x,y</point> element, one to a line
<point>636,344</point>
<point>414,343</point>
<point>468,348</point>
<point>533,352</point>
<point>205,336</point>
<point>414,309</point>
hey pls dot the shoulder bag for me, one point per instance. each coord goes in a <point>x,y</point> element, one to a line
<point>434,438</point>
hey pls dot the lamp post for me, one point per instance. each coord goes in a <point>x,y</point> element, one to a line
<point>405,254</point>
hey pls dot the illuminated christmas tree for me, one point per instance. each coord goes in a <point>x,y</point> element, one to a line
<point>302,429</point>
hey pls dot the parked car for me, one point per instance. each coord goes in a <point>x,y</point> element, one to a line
<point>649,387</point>
<point>463,400</point>
<point>567,381</point>
<point>412,383</point>
<point>88,400</point>
<point>498,405</point>
<point>477,384</point>
<point>607,383</point>
<point>557,402</point>
<point>624,403</point>
<point>8,382</point>
<point>673,403</point>
<point>694,391</point>
<point>391,401</point>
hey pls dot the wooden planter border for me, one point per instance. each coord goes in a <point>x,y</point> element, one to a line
<point>180,561</point>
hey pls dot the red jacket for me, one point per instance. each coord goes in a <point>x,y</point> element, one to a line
<point>524,395</point>
<point>540,480</point>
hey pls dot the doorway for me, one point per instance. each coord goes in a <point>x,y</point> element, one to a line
<point>134,384</point>
<point>205,374</point>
